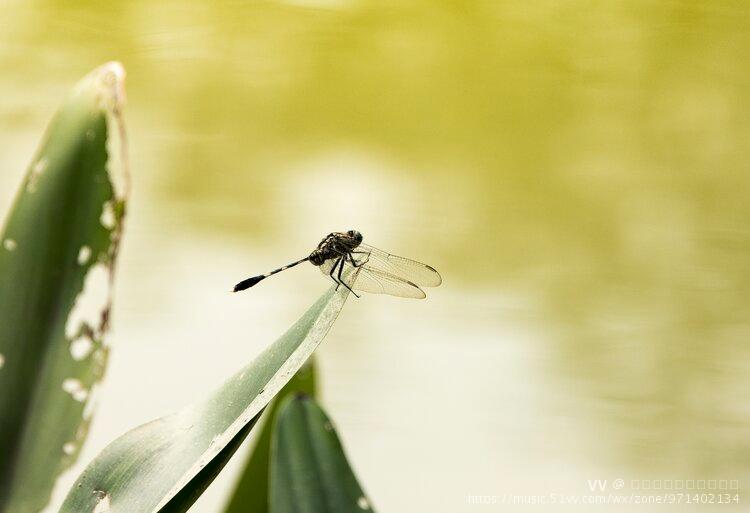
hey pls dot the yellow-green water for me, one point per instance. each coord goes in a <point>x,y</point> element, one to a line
<point>577,171</point>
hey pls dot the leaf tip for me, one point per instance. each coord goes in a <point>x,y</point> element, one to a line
<point>107,82</point>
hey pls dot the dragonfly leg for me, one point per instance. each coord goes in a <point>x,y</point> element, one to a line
<point>333,268</point>
<point>341,268</point>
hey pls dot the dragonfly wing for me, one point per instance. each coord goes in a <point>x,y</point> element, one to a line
<point>366,279</point>
<point>376,282</point>
<point>409,270</point>
<point>378,272</point>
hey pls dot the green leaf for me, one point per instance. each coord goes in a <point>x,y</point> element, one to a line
<point>164,465</point>
<point>198,484</point>
<point>309,470</point>
<point>251,493</point>
<point>57,257</point>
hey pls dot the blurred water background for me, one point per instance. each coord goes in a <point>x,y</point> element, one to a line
<point>578,172</point>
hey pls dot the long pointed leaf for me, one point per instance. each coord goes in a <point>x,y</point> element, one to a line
<point>157,467</point>
<point>309,470</point>
<point>198,484</point>
<point>251,492</point>
<point>56,262</point>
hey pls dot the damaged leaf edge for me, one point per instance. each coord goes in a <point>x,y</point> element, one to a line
<point>107,85</point>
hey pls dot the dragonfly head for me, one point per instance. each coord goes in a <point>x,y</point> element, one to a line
<point>354,234</point>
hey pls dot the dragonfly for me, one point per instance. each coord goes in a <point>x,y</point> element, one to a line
<point>349,262</point>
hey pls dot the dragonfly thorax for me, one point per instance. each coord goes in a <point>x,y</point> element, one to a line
<point>335,245</point>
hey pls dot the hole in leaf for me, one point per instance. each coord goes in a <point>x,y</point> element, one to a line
<point>103,502</point>
<point>83,255</point>
<point>80,348</point>
<point>108,215</point>
<point>91,302</point>
<point>75,388</point>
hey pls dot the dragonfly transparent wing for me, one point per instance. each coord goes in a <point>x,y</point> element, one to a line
<point>409,270</point>
<point>377,282</point>
<point>367,279</point>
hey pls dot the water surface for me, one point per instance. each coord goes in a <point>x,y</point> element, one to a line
<point>578,172</point>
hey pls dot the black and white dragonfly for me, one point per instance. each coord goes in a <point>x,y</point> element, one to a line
<point>357,266</point>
